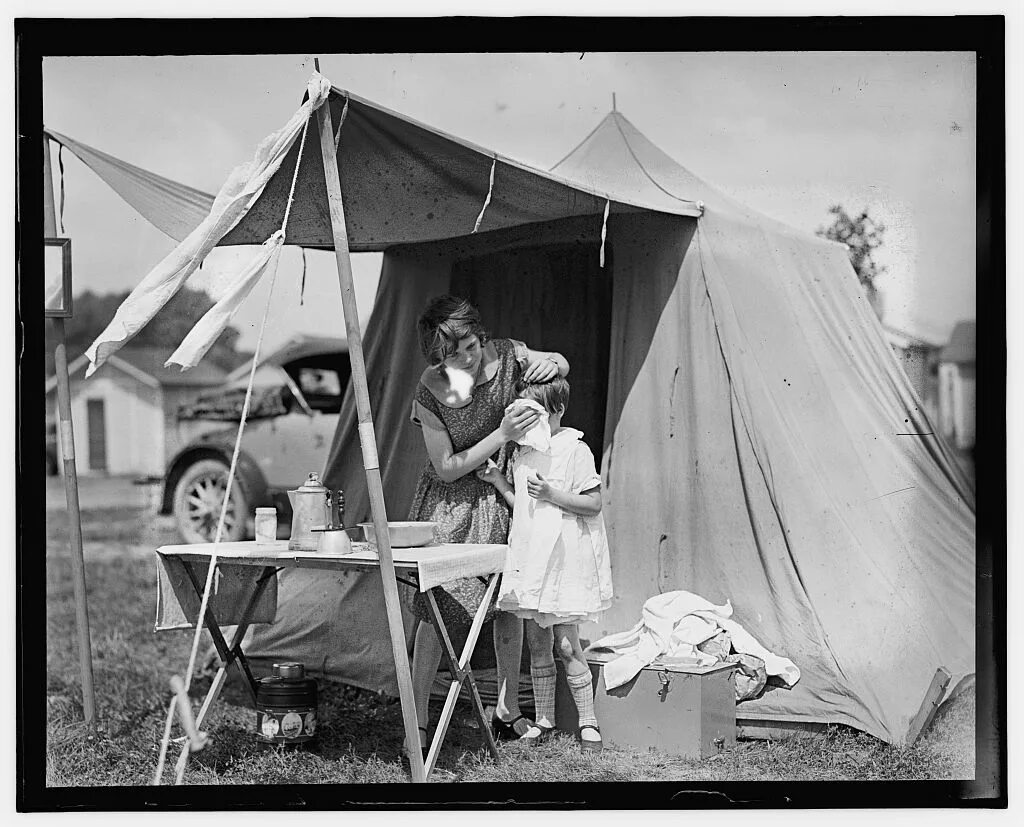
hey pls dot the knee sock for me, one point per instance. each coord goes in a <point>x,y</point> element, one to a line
<point>543,678</point>
<point>583,694</point>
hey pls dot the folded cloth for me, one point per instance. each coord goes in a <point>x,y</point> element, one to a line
<point>539,434</point>
<point>674,624</point>
<point>177,603</point>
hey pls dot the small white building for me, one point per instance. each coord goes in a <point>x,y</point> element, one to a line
<point>919,359</point>
<point>957,390</point>
<point>125,414</point>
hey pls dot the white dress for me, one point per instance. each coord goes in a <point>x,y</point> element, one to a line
<point>558,568</point>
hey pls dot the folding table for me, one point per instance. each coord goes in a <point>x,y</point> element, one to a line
<point>425,568</point>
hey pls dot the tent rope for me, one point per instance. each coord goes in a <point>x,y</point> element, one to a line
<point>60,163</point>
<point>302,286</point>
<point>341,120</point>
<point>487,200</point>
<point>227,490</point>
<point>604,228</point>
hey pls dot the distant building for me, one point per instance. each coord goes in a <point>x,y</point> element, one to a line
<point>920,359</point>
<point>957,386</point>
<point>124,415</point>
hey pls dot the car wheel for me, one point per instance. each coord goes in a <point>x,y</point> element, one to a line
<point>198,497</point>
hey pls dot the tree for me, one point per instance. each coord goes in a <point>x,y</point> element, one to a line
<point>862,236</point>
<point>93,312</point>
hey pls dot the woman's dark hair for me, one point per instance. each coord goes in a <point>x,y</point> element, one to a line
<point>444,322</point>
<point>552,395</point>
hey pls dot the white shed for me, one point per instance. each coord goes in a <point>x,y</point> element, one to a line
<point>124,415</point>
<point>957,390</point>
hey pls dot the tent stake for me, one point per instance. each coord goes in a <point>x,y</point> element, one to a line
<point>368,440</point>
<point>67,447</point>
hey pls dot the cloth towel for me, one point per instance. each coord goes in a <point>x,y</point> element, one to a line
<point>243,187</point>
<point>177,604</point>
<point>538,436</point>
<point>672,626</point>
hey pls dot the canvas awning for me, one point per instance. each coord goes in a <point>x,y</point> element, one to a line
<point>407,183</point>
<point>173,208</point>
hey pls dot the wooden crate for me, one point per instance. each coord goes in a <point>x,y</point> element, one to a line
<point>679,710</point>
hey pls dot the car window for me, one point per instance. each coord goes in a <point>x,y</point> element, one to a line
<point>319,382</point>
<point>320,386</point>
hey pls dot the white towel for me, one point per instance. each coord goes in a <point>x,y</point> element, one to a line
<point>673,625</point>
<point>539,434</point>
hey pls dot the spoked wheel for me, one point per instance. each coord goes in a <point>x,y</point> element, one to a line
<point>198,498</point>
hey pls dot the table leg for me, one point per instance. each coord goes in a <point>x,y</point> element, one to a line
<point>461,672</point>
<point>229,654</point>
<point>234,649</point>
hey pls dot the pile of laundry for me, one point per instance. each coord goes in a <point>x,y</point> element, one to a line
<point>683,628</point>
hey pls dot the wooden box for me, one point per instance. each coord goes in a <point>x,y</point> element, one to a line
<point>676,709</point>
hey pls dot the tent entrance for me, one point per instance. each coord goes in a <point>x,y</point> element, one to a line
<point>553,297</point>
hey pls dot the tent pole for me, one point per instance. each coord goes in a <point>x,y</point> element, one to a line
<point>67,446</point>
<point>368,440</point>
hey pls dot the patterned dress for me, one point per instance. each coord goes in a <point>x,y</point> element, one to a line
<point>468,510</point>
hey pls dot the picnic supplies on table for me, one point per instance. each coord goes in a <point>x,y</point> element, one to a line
<point>426,568</point>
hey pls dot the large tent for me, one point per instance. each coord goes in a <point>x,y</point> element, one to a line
<point>758,440</point>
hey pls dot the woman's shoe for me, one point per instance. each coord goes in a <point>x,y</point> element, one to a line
<point>536,740</point>
<point>590,746</point>
<point>506,730</point>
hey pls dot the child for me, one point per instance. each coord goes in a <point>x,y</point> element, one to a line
<point>557,573</point>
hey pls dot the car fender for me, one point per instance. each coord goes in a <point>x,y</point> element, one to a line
<point>247,474</point>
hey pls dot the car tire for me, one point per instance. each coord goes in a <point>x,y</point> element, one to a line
<point>197,503</point>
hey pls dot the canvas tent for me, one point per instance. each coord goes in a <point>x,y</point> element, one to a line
<point>758,440</point>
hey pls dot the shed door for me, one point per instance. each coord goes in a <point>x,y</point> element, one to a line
<point>97,422</point>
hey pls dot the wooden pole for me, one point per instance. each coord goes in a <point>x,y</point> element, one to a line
<point>929,706</point>
<point>368,440</point>
<point>67,444</point>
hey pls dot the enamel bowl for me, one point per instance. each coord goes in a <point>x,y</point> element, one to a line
<point>403,534</point>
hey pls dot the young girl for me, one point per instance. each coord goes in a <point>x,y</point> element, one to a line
<point>557,573</point>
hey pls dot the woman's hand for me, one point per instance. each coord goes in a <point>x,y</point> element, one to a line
<point>517,422</point>
<point>539,488</point>
<point>541,370</point>
<point>490,473</point>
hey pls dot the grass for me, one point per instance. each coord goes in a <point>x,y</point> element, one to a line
<point>361,732</point>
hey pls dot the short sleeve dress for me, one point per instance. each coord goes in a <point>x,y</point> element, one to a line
<point>558,568</point>
<point>467,510</point>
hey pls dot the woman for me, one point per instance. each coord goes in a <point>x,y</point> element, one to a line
<point>460,406</point>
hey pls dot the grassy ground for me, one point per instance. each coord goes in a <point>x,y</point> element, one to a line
<point>360,732</point>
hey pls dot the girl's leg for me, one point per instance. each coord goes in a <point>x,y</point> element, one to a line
<point>577,673</point>
<point>426,658</point>
<point>542,672</point>
<point>508,650</point>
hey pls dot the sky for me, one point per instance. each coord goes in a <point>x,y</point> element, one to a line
<point>787,133</point>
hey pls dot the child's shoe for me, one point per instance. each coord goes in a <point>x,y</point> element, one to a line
<point>590,746</point>
<point>536,740</point>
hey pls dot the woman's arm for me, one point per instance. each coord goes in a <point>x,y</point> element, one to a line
<point>587,504</point>
<point>542,366</point>
<point>451,466</point>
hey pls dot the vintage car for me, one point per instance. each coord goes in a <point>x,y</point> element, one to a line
<point>293,414</point>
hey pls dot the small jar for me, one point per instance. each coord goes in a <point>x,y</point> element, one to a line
<point>266,525</point>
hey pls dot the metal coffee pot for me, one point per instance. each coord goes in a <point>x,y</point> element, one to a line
<point>309,510</point>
